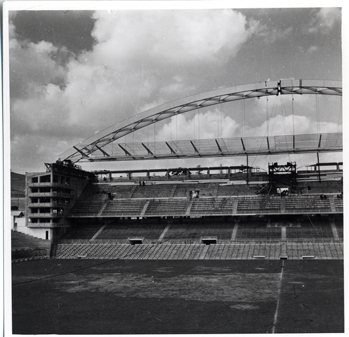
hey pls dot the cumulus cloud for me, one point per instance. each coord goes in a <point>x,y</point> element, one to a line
<point>325,19</point>
<point>273,35</point>
<point>185,36</point>
<point>140,58</point>
<point>32,67</point>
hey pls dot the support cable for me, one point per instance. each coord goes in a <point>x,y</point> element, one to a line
<point>267,116</point>
<point>292,116</point>
<point>198,123</point>
<point>317,113</point>
<point>243,122</point>
<point>283,111</point>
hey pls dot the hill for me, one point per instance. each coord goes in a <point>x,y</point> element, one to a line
<point>17,185</point>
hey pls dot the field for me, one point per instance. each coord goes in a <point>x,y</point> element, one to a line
<point>177,297</point>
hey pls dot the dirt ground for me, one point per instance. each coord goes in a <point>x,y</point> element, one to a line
<point>177,297</point>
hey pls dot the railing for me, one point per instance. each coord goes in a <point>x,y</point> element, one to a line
<point>48,184</point>
<point>45,215</point>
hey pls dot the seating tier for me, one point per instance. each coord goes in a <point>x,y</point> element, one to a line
<point>169,207</point>
<point>124,207</point>
<point>122,231</point>
<point>193,232</point>
<point>207,206</point>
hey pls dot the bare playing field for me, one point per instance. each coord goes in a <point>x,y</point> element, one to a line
<point>149,297</point>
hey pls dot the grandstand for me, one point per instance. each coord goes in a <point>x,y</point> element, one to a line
<point>218,212</point>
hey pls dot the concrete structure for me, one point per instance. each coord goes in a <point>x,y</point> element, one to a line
<point>50,195</point>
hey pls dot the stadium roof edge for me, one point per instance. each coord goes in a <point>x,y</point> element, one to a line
<point>266,88</point>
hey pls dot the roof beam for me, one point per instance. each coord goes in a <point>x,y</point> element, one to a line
<point>126,152</point>
<point>105,153</point>
<point>268,143</point>
<point>172,151</point>
<point>243,145</point>
<point>82,153</point>
<point>149,152</point>
<point>219,148</point>
<point>195,149</point>
<point>320,140</point>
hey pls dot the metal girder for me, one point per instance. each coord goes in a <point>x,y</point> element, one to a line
<point>154,115</point>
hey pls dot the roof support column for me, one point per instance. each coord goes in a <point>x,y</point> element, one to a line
<point>318,166</point>
<point>247,169</point>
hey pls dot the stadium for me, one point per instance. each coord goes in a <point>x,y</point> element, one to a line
<point>194,249</point>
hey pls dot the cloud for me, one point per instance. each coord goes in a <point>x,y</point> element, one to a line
<point>313,49</point>
<point>140,58</point>
<point>211,124</point>
<point>33,66</point>
<point>272,35</point>
<point>184,37</point>
<point>325,19</point>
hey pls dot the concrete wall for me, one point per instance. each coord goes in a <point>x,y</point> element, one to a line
<point>39,233</point>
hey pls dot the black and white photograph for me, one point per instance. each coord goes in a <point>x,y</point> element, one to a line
<point>173,168</point>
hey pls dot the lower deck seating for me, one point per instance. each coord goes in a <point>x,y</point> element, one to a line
<point>338,205</point>
<point>123,231</point>
<point>236,251</point>
<point>193,232</point>
<point>310,230</point>
<point>82,232</point>
<point>258,232</point>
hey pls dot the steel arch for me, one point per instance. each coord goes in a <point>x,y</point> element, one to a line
<point>168,110</point>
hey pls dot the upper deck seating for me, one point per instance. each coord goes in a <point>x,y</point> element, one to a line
<point>207,189</point>
<point>120,191</point>
<point>270,204</point>
<point>88,206</point>
<point>307,204</point>
<point>249,205</point>
<point>174,207</point>
<point>212,206</point>
<point>182,190</point>
<point>124,207</point>
<point>233,190</point>
<point>322,187</point>
<point>153,191</point>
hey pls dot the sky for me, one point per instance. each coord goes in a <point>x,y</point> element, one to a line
<point>74,73</point>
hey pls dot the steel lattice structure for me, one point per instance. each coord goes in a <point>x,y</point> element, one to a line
<point>91,149</point>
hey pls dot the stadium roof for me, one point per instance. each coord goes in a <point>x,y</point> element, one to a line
<point>92,147</point>
<point>239,146</point>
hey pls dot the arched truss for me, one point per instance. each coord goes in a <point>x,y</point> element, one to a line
<point>91,149</point>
